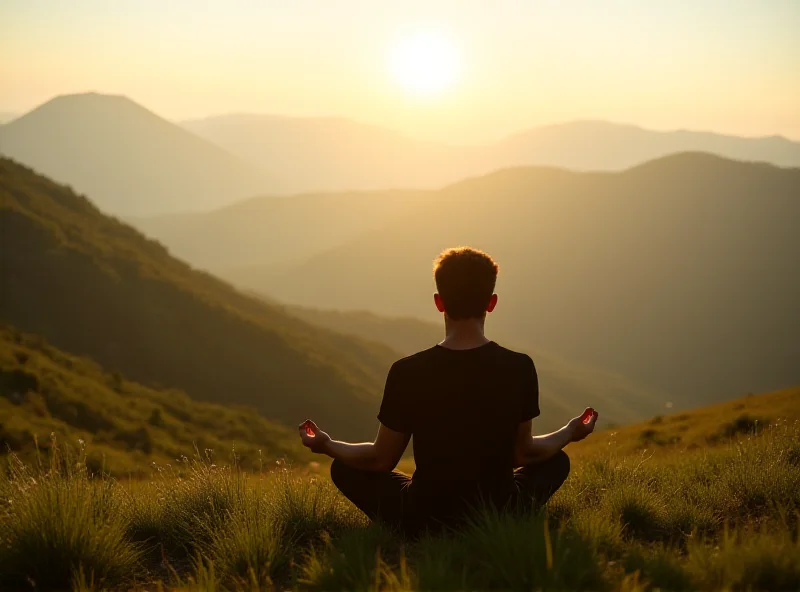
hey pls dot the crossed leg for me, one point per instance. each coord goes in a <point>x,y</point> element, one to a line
<point>385,496</point>
<point>381,496</point>
<point>537,482</point>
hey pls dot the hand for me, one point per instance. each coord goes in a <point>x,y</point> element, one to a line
<point>313,437</point>
<point>582,426</point>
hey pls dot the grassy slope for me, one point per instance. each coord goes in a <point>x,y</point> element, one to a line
<point>682,432</point>
<point>723,517</point>
<point>125,425</point>
<point>94,286</point>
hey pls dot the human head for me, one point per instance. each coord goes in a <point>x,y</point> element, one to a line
<point>465,280</point>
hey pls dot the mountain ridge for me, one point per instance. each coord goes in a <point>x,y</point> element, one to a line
<point>123,301</point>
<point>127,158</point>
<point>616,262</point>
<point>134,163</point>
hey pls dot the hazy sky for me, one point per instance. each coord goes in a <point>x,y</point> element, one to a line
<point>730,66</point>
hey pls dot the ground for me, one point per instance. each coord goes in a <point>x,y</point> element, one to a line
<point>706,500</point>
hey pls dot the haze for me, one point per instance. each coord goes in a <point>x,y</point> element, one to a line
<point>713,65</point>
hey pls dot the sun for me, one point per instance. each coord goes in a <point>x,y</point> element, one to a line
<point>425,64</point>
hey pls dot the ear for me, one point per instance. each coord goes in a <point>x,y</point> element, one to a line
<point>437,300</point>
<point>492,303</point>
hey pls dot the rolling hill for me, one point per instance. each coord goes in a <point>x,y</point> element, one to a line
<point>601,145</point>
<point>680,274</point>
<point>317,154</point>
<point>276,230</point>
<point>338,154</point>
<point>124,425</point>
<point>708,426</point>
<point>134,163</point>
<point>95,287</point>
<point>129,160</point>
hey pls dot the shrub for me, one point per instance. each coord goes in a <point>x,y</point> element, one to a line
<point>249,547</point>
<point>639,509</point>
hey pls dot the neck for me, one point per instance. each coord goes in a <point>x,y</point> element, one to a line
<point>463,334</point>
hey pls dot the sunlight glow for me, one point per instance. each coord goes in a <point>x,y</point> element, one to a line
<point>425,63</point>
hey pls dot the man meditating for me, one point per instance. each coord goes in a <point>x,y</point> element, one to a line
<point>469,403</point>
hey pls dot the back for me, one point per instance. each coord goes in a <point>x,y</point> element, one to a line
<point>463,408</point>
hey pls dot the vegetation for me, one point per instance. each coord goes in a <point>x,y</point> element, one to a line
<point>125,426</point>
<point>124,302</point>
<point>616,525</point>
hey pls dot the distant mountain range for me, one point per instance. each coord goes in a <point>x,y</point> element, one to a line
<point>95,287</point>
<point>681,274</point>
<point>277,230</point>
<point>335,154</point>
<point>126,158</point>
<point>133,163</point>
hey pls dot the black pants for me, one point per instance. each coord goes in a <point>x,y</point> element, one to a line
<point>390,497</point>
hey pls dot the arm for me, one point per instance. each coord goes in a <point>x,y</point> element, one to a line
<point>531,449</point>
<point>381,455</point>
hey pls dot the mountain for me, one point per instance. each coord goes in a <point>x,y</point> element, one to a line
<point>276,230</point>
<point>129,160</point>
<point>133,163</point>
<point>95,287</point>
<point>6,116</point>
<point>600,146</point>
<point>337,154</point>
<point>565,388</point>
<point>124,425</point>
<point>680,274</point>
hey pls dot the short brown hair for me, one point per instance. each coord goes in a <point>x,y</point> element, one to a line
<point>465,278</point>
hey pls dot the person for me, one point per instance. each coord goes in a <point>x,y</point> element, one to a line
<point>469,404</point>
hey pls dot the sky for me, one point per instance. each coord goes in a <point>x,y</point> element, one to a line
<point>727,66</point>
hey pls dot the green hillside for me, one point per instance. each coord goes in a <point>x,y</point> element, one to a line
<point>94,286</point>
<point>679,274</point>
<point>700,428</point>
<point>123,425</point>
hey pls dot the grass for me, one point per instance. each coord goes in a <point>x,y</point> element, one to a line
<point>724,516</point>
<point>126,425</point>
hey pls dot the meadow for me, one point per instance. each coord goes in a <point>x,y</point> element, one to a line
<point>721,515</point>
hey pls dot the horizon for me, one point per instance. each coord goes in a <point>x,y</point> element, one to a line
<point>12,116</point>
<point>422,69</point>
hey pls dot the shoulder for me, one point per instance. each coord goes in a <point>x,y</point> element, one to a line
<point>520,359</point>
<point>414,361</point>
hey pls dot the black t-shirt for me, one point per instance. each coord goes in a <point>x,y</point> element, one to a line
<point>463,408</point>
